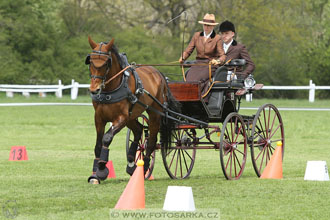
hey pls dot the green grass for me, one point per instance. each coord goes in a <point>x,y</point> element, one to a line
<point>60,140</point>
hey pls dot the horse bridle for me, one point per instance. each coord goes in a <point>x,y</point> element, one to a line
<point>108,62</point>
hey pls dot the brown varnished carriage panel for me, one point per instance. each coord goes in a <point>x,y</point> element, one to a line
<point>185,91</point>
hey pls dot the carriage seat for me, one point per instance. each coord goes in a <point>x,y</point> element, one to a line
<point>236,62</point>
<point>216,97</point>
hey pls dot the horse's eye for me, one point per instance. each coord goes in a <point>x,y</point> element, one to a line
<point>88,60</point>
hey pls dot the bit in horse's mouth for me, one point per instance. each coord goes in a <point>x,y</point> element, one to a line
<point>98,91</point>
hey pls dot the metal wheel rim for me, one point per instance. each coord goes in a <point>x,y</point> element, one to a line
<point>265,134</point>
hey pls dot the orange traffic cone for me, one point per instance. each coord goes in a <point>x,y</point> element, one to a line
<point>112,173</point>
<point>133,196</point>
<point>273,169</point>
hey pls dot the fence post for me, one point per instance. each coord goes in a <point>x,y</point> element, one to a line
<point>59,91</point>
<point>26,94</point>
<point>311,91</point>
<point>9,94</point>
<point>74,89</point>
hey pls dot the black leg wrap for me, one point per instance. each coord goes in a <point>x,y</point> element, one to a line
<point>146,164</point>
<point>95,165</point>
<point>132,151</point>
<point>102,174</point>
<point>107,138</point>
<point>104,154</point>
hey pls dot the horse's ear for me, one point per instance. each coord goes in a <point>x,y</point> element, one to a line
<point>91,42</point>
<point>109,45</point>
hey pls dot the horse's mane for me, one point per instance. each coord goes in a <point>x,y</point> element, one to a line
<point>115,50</point>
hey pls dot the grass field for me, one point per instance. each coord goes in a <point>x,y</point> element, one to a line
<point>52,184</point>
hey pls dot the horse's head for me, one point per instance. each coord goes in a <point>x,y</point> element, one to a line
<point>99,62</point>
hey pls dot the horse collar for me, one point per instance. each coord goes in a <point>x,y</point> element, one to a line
<point>121,92</point>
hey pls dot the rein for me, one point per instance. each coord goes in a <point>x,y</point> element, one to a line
<point>182,65</point>
<point>117,74</point>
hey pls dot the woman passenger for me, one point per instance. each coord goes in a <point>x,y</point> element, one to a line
<point>209,50</point>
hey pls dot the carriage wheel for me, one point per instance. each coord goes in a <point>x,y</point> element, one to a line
<point>233,146</point>
<point>267,129</point>
<point>179,155</point>
<point>142,144</point>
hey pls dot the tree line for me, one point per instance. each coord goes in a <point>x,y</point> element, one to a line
<point>42,41</point>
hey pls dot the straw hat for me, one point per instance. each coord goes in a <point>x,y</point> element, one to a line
<point>208,19</point>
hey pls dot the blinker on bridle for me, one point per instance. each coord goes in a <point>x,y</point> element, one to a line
<point>108,62</point>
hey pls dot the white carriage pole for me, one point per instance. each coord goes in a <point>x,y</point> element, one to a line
<point>59,91</point>
<point>311,91</point>
<point>74,89</point>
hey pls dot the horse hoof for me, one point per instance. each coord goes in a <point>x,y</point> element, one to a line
<point>130,168</point>
<point>94,180</point>
<point>146,164</point>
<point>102,174</point>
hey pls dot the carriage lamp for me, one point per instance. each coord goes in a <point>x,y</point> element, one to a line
<point>249,82</point>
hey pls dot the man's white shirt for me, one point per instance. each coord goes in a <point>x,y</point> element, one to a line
<point>226,46</point>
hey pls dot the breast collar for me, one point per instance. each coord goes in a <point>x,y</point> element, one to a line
<point>122,91</point>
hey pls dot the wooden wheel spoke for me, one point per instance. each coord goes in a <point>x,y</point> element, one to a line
<point>262,159</point>
<point>169,152</point>
<point>273,122</point>
<point>228,134</point>
<point>267,156</point>
<point>176,164</point>
<point>235,164</point>
<point>265,122</point>
<point>262,151</point>
<point>187,154</point>
<point>261,129</point>
<point>184,159</point>
<point>170,165</point>
<point>228,160</point>
<point>239,164</point>
<point>272,134</point>
<point>231,162</point>
<point>236,149</point>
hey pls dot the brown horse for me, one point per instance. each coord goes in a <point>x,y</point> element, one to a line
<point>120,97</point>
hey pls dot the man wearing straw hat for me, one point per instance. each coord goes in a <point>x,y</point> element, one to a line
<point>209,49</point>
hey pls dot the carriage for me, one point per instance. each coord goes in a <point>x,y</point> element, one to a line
<point>198,127</point>
<point>122,92</point>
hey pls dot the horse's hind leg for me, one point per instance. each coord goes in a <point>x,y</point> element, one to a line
<point>136,128</point>
<point>154,126</point>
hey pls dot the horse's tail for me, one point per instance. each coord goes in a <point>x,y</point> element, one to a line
<point>168,125</point>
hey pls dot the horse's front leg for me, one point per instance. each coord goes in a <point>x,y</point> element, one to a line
<point>102,172</point>
<point>100,126</point>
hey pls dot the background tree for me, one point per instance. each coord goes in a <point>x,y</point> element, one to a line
<point>42,41</point>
